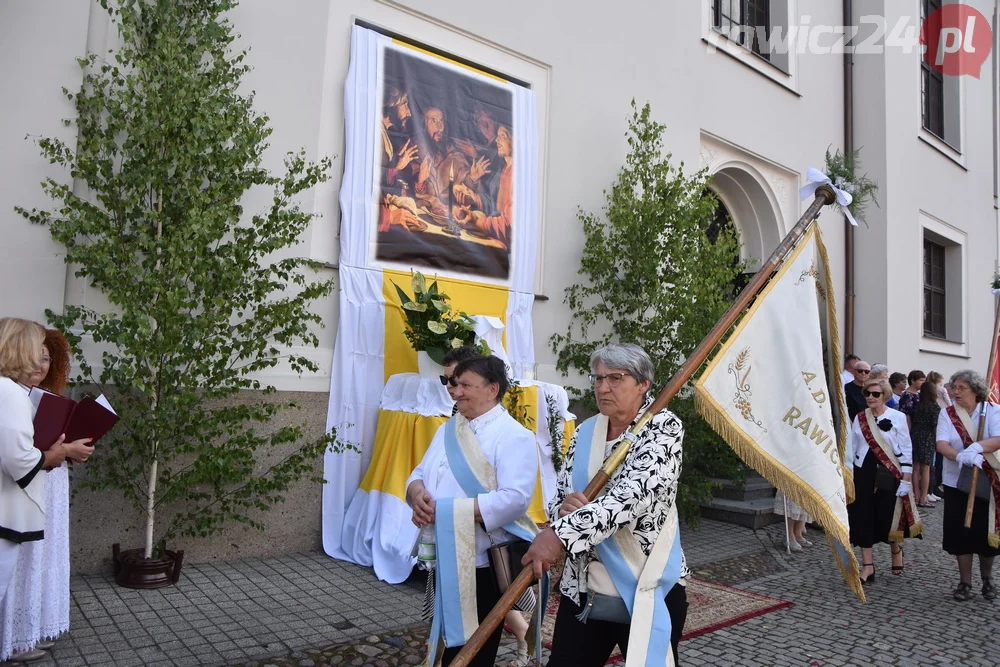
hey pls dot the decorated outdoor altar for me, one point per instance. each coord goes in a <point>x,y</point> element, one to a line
<point>440,179</point>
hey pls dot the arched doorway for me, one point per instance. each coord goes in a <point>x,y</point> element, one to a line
<point>751,205</point>
<point>723,220</point>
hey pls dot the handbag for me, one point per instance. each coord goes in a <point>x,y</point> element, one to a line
<point>603,602</point>
<point>504,559</point>
<point>965,474</point>
<point>884,479</point>
<point>965,483</point>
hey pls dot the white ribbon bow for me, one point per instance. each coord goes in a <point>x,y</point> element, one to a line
<point>818,178</point>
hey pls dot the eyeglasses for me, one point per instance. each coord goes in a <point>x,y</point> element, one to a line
<point>613,379</point>
<point>863,371</point>
<point>873,394</point>
<point>448,380</point>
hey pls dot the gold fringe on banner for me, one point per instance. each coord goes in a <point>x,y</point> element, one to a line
<point>836,363</point>
<point>788,483</point>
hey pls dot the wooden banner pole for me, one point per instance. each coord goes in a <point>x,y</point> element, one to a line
<point>824,196</point>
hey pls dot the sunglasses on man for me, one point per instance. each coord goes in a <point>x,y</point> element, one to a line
<point>863,370</point>
<point>448,380</point>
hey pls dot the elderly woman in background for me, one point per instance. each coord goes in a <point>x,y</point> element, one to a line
<point>638,509</point>
<point>957,430</point>
<point>22,488</point>
<point>884,509</point>
<point>41,580</point>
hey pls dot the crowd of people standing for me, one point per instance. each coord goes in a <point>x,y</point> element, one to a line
<point>915,440</point>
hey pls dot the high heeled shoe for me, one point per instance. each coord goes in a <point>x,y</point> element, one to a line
<point>898,569</point>
<point>871,577</point>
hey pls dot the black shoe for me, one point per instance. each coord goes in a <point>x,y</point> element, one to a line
<point>871,577</point>
<point>898,569</point>
<point>963,592</point>
<point>989,592</point>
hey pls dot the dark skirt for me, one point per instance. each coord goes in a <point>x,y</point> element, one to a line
<point>959,540</point>
<point>923,435</point>
<point>871,512</point>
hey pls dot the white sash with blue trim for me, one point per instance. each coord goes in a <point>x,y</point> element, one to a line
<point>643,582</point>
<point>455,611</point>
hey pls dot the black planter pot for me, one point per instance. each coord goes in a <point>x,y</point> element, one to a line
<point>132,570</point>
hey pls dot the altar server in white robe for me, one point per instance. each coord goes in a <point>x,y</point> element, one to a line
<point>624,577</point>
<point>478,475</point>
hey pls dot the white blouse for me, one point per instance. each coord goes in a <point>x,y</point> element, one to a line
<point>898,438</point>
<point>946,433</point>
<point>511,449</point>
<point>22,488</point>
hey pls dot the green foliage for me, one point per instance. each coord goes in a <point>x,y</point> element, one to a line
<point>167,148</point>
<point>842,169</point>
<point>556,426</point>
<point>659,273</point>
<point>513,401</point>
<point>431,325</point>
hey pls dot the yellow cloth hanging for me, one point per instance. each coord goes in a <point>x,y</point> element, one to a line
<point>468,297</point>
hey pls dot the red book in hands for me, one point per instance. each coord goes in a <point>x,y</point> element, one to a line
<point>56,415</point>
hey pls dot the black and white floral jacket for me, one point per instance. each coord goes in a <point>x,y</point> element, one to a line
<point>639,495</point>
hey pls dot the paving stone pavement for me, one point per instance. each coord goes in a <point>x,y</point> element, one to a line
<point>228,613</point>
<point>307,610</point>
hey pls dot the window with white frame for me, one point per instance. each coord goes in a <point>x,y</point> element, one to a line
<point>940,95</point>
<point>943,281</point>
<point>755,32</point>
<point>747,22</point>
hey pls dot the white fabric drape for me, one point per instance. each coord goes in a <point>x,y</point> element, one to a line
<point>520,337</point>
<point>355,388</point>
<point>37,603</point>
<point>357,376</point>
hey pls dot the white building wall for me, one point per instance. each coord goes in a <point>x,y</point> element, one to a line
<point>39,42</point>
<point>925,184</point>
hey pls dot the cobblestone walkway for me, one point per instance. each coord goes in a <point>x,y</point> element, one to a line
<point>306,610</point>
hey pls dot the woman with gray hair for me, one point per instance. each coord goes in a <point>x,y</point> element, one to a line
<point>957,428</point>
<point>630,528</point>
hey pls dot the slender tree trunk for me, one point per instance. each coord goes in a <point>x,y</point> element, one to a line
<point>151,487</point>
<point>150,508</point>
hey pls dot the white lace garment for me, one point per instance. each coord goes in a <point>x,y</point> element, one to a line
<point>37,603</point>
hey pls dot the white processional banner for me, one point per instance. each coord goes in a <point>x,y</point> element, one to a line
<point>772,392</point>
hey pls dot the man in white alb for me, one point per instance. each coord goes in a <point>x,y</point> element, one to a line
<point>478,475</point>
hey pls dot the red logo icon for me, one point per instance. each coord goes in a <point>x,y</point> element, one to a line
<point>958,38</point>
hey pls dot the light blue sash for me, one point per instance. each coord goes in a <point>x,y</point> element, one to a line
<point>658,650</point>
<point>449,622</point>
